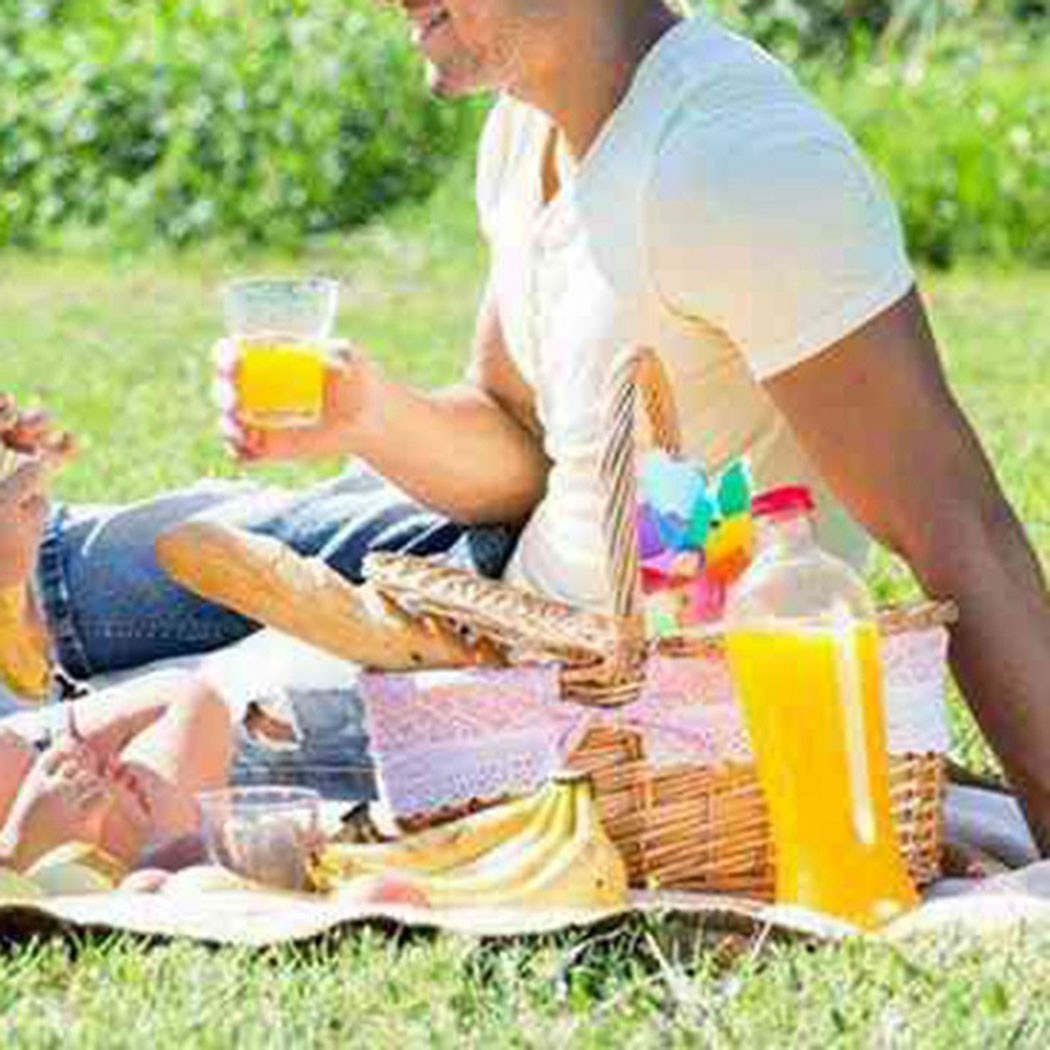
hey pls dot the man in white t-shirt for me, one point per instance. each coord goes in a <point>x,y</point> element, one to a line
<point>645,180</point>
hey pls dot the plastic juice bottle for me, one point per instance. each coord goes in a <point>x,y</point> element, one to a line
<point>803,648</point>
<point>280,381</point>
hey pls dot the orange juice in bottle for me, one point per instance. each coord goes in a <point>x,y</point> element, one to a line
<point>803,648</point>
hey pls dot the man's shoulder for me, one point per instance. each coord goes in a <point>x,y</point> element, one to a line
<point>732,94</point>
<point>509,130</point>
<point>741,119</point>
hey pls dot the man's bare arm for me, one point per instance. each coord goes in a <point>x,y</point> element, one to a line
<point>472,451</point>
<point>877,418</point>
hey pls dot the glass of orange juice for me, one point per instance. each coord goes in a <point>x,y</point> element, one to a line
<point>281,327</point>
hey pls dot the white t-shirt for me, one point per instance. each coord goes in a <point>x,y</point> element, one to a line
<point>722,219</point>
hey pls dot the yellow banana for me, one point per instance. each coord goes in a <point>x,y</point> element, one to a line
<point>511,864</point>
<point>565,860</point>
<point>437,849</point>
<point>587,872</point>
<point>549,851</point>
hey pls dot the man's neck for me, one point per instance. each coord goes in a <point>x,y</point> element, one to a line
<point>580,95</point>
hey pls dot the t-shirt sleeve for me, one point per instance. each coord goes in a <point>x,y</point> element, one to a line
<point>786,241</point>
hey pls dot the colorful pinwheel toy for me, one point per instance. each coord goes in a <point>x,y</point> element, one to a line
<point>695,537</point>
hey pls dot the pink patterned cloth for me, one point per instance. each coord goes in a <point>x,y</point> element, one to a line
<point>442,738</point>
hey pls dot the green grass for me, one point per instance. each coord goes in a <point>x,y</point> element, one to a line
<point>117,348</point>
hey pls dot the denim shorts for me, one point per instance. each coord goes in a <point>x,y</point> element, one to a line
<point>110,606</point>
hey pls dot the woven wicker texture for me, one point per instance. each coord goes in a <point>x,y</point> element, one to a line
<point>694,827</point>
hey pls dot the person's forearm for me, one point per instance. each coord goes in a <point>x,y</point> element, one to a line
<point>1000,651</point>
<point>457,451</point>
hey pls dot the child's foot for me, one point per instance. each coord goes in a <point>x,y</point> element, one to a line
<point>64,798</point>
<point>31,432</point>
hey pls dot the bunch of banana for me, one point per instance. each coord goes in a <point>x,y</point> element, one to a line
<point>546,850</point>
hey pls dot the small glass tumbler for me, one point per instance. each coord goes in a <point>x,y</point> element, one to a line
<point>263,833</point>
<point>281,327</point>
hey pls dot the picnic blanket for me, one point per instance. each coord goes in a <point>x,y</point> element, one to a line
<point>987,820</point>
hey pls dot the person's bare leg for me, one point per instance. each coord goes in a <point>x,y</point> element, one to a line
<point>107,721</point>
<point>30,450</point>
<point>110,719</point>
<point>186,750</point>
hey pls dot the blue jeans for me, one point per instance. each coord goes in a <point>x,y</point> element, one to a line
<point>110,607</point>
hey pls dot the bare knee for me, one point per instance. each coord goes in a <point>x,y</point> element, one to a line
<point>194,733</point>
<point>205,714</point>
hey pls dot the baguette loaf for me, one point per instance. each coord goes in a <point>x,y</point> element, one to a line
<point>268,582</point>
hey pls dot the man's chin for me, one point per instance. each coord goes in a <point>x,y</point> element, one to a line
<point>450,84</point>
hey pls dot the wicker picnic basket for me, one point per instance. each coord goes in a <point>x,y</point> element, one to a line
<point>689,826</point>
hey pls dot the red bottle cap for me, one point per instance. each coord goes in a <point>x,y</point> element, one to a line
<point>788,499</point>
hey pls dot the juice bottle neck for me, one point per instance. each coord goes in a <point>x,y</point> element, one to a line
<point>786,534</point>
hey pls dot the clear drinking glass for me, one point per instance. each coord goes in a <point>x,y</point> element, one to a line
<point>262,833</point>
<point>281,326</point>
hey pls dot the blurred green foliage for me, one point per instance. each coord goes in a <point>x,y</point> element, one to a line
<point>839,30</point>
<point>261,119</point>
<point>963,138</point>
<point>268,121</point>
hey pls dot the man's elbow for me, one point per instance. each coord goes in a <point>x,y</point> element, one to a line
<point>511,503</point>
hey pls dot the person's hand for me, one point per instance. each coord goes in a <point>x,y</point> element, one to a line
<point>64,798</point>
<point>352,408</point>
<point>23,512</point>
<point>32,432</point>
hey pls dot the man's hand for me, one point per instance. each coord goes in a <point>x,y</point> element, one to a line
<point>473,451</point>
<point>352,410</point>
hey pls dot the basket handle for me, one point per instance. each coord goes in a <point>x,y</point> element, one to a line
<point>637,372</point>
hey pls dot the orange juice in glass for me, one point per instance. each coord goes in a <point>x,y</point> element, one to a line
<point>281,327</point>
